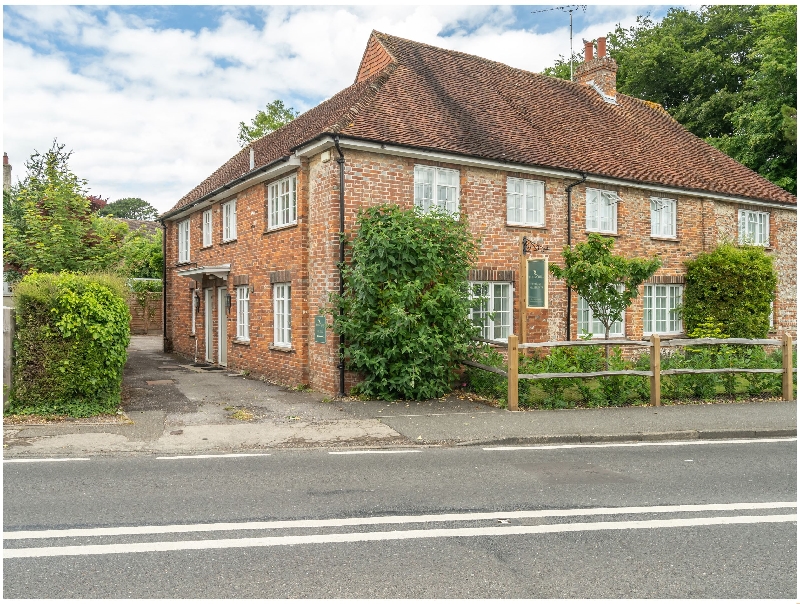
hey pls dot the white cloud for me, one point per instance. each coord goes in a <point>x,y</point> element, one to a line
<point>150,112</point>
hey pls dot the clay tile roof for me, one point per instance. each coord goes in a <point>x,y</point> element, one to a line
<point>412,94</point>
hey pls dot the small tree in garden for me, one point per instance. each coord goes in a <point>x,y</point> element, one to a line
<point>607,282</point>
<point>406,302</point>
<point>732,285</point>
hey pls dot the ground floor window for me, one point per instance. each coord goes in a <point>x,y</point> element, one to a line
<point>587,324</point>
<point>662,309</point>
<point>243,312</point>
<point>282,295</point>
<point>491,309</point>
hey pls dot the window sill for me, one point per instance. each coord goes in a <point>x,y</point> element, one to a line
<point>205,247</point>
<point>540,227</point>
<point>280,348</point>
<point>664,336</point>
<point>227,241</point>
<point>193,336</point>
<point>183,263</point>
<point>673,239</point>
<point>283,227</point>
<point>239,342</point>
<point>603,233</point>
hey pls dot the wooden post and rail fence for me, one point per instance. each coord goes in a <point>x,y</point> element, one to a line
<point>655,372</point>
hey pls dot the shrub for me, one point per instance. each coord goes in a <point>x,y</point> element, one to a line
<point>732,285</point>
<point>406,304</point>
<point>72,335</point>
<point>490,385</point>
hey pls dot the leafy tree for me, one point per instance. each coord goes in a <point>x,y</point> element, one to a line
<point>734,286</point>
<point>607,282</point>
<point>727,73</point>
<point>96,203</point>
<point>132,208</point>
<point>276,116</point>
<point>406,303</point>
<point>142,255</point>
<point>49,226</point>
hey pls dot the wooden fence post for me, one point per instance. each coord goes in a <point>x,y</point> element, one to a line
<point>513,373</point>
<point>655,367</point>
<point>787,367</point>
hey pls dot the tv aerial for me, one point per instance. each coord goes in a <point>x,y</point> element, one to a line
<point>569,8</point>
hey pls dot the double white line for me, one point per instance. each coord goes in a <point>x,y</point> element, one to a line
<point>504,530</point>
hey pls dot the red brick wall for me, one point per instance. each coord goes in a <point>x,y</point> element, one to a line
<point>311,252</point>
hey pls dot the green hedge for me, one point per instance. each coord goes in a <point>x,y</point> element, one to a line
<point>611,391</point>
<point>71,344</point>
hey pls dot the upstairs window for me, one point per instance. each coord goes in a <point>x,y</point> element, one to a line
<point>525,201</point>
<point>436,187</point>
<point>601,211</point>
<point>662,309</point>
<point>753,228</point>
<point>229,221</point>
<point>283,202</point>
<point>206,228</point>
<point>183,241</point>
<point>662,217</point>
<point>491,309</point>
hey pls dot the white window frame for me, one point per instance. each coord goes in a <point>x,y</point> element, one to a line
<point>663,217</point>
<point>663,316</point>
<point>524,201</point>
<point>494,293</point>
<point>184,247</point>
<point>282,316</point>
<point>437,187</point>
<point>229,221</point>
<point>282,202</point>
<point>207,237</point>
<point>601,211</point>
<point>586,318</point>
<point>759,233</point>
<point>243,313</point>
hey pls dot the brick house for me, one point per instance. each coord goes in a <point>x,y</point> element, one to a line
<point>251,253</point>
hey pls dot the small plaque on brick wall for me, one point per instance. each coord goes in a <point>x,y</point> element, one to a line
<point>320,329</point>
<point>537,283</point>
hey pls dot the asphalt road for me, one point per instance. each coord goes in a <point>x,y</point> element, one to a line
<point>607,521</point>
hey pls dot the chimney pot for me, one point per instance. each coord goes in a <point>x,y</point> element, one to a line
<point>5,159</point>
<point>601,48</point>
<point>588,48</point>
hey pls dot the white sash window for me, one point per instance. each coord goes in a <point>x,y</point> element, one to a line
<point>525,201</point>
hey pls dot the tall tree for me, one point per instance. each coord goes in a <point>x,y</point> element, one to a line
<point>727,73</point>
<point>276,116</point>
<point>49,226</point>
<point>129,207</point>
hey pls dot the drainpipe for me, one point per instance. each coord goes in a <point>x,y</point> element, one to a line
<point>340,161</point>
<point>164,285</point>
<point>569,243</point>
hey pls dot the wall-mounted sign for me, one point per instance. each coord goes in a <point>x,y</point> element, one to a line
<point>320,329</point>
<point>537,283</point>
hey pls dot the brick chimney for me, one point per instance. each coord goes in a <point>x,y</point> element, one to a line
<point>600,73</point>
<point>6,173</point>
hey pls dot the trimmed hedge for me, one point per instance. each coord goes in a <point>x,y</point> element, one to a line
<point>733,285</point>
<point>71,344</point>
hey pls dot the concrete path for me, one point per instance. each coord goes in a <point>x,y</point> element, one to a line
<point>173,407</point>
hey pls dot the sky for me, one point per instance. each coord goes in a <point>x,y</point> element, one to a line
<point>149,98</point>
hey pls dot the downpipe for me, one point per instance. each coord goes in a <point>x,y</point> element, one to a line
<point>569,243</point>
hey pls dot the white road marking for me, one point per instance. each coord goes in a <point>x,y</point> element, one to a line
<point>365,452</point>
<point>215,456</point>
<point>46,459</point>
<point>675,443</point>
<point>340,522</point>
<point>165,546</point>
